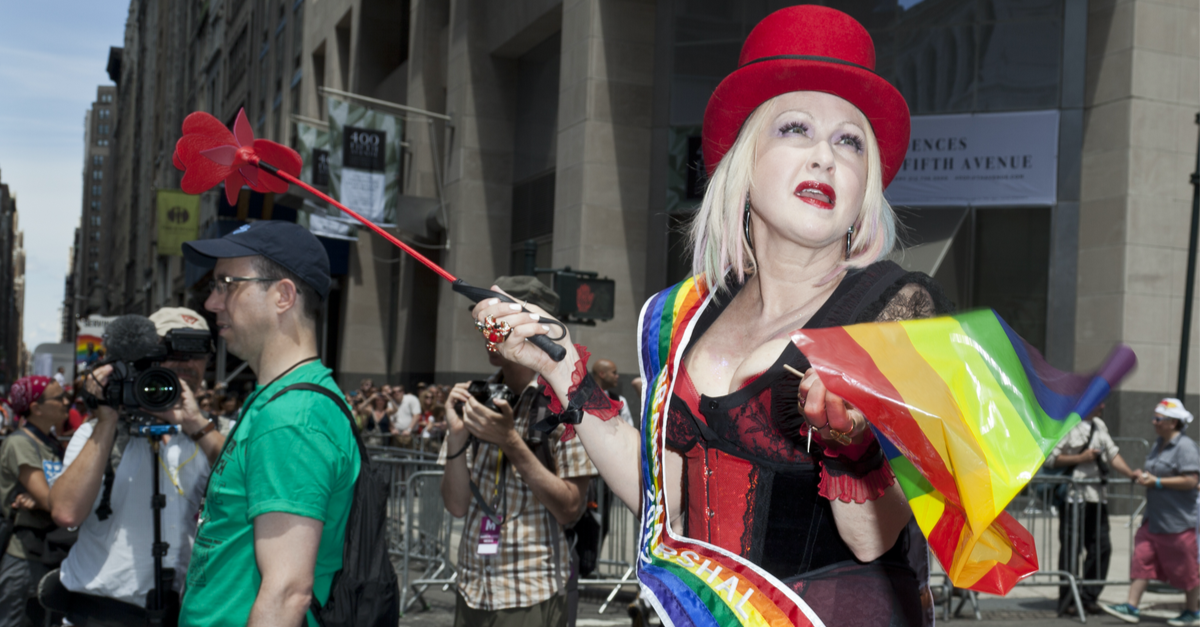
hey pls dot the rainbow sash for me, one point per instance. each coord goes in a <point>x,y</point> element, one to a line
<point>965,410</point>
<point>687,581</point>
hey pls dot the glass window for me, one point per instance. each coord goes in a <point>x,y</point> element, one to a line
<point>95,205</point>
<point>1013,279</point>
<point>97,175</point>
<point>96,190</point>
<point>1019,65</point>
<point>97,159</point>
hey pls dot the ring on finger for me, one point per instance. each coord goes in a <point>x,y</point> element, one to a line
<point>494,333</point>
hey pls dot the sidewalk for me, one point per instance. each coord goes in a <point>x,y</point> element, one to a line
<point>1026,605</point>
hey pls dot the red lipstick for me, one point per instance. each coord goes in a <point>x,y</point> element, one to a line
<point>816,194</point>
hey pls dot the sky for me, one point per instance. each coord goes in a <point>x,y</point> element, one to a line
<point>52,57</point>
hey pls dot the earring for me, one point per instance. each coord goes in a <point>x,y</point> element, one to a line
<point>746,223</point>
<point>849,238</point>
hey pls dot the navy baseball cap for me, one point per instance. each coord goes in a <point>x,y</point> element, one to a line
<point>286,243</point>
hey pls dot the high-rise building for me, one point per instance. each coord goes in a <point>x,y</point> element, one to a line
<point>91,277</point>
<point>12,289</point>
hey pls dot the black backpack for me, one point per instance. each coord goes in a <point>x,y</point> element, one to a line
<point>365,592</point>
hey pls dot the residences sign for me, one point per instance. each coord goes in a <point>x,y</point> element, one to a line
<point>986,159</point>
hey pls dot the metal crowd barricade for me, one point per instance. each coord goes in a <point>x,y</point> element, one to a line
<point>1043,507</point>
<point>618,555</point>
<point>418,529</point>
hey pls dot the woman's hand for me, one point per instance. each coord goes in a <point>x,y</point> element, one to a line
<point>523,326</point>
<point>1146,479</point>
<point>24,501</point>
<point>833,419</point>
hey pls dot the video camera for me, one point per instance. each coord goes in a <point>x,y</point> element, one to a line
<point>138,381</point>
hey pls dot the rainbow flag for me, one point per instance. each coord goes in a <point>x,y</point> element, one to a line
<point>966,412</point>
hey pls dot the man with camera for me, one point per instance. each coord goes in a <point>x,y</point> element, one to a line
<point>1086,453</point>
<point>106,486</point>
<point>274,522</point>
<point>518,489</point>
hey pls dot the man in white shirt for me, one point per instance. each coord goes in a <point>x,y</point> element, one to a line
<point>110,570</point>
<point>404,408</point>
<point>1088,452</point>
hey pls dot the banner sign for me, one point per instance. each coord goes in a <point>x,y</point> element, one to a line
<point>89,340</point>
<point>980,160</point>
<point>364,160</point>
<point>321,220</point>
<point>178,220</point>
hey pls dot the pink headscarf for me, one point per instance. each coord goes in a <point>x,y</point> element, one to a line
<point>27,391</point>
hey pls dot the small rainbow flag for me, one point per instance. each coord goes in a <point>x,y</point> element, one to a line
<point>967,412</point>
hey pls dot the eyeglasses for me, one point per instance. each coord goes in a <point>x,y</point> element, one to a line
<point>221,285</point>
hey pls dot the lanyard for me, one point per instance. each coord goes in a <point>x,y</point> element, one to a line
<point>497,489</point>
<point>249,402</point>
<point>174,476</point>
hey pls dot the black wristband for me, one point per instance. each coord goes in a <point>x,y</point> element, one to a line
<point>871,461</point>
<point>461,450</point>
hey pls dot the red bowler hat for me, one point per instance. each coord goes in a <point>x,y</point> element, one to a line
<point>808,48</point>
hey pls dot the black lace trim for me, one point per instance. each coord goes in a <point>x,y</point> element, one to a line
<point>927,302</point>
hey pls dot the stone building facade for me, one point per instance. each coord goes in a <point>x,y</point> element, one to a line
<point>561,127</point>
<point>12,289</point>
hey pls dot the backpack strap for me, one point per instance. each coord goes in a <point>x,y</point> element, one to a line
<point>314,605</point>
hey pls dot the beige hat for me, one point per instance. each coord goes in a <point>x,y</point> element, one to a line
<point>170,318</point>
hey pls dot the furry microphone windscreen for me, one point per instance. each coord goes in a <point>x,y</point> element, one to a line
<point>130,337</point>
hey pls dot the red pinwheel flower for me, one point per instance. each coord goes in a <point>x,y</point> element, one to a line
<point>208,154</point>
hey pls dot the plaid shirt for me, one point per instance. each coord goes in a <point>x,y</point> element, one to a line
<point>533,561</point>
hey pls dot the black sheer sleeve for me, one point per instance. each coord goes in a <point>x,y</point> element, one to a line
<point>915,295</point>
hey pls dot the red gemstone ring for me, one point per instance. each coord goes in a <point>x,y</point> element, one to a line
<point>494,332</point>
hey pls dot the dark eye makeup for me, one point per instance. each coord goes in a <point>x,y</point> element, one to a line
<point>850,139</point>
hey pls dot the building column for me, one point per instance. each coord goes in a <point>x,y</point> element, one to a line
<point>1139,146</point>
<point>480,92</point>
<point>606,90</point>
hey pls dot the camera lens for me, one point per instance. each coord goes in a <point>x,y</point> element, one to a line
<point>156,389</point>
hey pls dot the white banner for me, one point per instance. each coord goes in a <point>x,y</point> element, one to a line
<point>981,160</point>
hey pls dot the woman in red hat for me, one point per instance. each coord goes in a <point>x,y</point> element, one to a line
<point>758,459</point>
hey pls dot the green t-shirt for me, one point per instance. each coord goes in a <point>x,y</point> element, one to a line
<point>296,455</point>
<point>19,450</point>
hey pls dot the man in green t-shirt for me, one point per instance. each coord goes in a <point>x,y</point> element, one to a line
<point>274,519</point>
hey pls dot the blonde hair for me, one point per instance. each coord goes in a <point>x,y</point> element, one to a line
<point>719,244</point>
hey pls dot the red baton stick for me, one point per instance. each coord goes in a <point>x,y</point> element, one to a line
<point>208,153</point>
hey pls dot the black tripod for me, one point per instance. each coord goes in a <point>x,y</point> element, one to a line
<point>163,595</point>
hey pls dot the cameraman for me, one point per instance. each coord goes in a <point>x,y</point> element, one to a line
<point>110,570</point>
<point>518,572</point>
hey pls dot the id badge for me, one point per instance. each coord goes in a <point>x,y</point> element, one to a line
<point>489,537</point>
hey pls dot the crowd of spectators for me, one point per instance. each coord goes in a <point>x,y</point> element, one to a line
<point>389,415</point>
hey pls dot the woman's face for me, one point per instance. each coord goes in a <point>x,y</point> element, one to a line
<point>427,399</point>
<point>1164,427</point>
<point>810,174</point>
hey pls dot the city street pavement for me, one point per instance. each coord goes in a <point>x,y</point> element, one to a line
<point>1027,606</point>
<point>1027,611</point>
